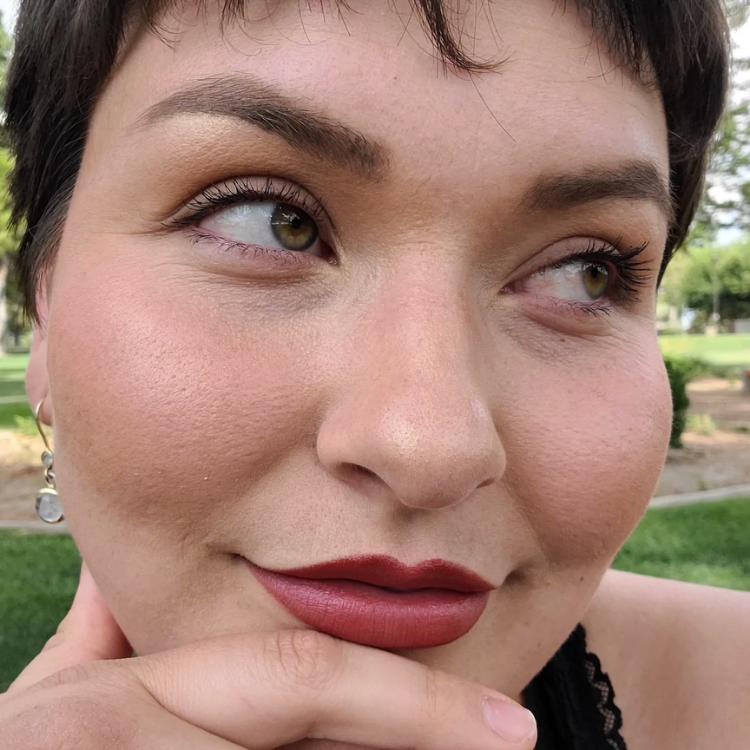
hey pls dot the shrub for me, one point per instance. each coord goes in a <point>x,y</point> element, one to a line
<point>681,371</point>
<point>701,424</point>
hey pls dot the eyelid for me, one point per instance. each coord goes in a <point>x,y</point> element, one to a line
<point>260,189</point>
<point>630,275</point>
<point>581,248</point>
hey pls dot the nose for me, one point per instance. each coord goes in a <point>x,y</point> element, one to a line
<point>411,417</point>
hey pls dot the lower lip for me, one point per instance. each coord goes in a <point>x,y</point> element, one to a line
<point>374,616</point>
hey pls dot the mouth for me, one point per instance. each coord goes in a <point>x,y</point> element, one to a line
<point>377,601</point>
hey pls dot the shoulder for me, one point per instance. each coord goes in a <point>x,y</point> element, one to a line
<point>678,655</point>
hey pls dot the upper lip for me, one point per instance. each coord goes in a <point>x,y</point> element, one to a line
<point>381,570</point>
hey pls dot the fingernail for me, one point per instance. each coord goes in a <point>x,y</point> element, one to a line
<point>509,720</point>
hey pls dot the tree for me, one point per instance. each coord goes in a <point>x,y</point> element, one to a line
<point>10,306</point>
<point>700,272</point>
<point>8,239</point>
<point>726,198</point>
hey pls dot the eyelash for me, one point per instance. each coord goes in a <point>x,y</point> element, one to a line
<point>243,190</point>
<point>235,191</point>
<point>631,274</point>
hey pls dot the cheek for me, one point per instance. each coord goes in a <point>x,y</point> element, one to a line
<point>162,403</point>
<point>587,459</point>
<point>168,411</point>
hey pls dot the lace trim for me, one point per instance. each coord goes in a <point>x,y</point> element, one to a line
<point>574,701</point>
<point>599,679</point>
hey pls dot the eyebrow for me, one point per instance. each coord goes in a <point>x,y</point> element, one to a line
<point>632,180</point>
<point>256,102</point>
<point>259,104</point>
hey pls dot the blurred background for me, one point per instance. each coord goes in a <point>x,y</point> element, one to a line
<point>698,528</point>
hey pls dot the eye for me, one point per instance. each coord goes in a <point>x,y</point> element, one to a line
<point>267,224</point>
<point>572,280</point>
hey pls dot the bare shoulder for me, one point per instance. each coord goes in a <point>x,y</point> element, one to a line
<point>679,658</point>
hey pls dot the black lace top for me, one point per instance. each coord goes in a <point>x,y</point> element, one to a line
<point>573,701</point>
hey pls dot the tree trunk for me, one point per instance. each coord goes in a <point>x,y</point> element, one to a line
<point>3,306</point>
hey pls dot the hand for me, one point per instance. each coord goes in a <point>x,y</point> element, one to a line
<point>257,691</point>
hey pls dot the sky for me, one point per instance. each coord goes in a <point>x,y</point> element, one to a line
<point>8,7</point>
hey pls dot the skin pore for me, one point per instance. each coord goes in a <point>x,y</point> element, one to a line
<point>428,379</point>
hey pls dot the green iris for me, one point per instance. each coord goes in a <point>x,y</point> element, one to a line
<point>293,228</point>
<point>595,280</point>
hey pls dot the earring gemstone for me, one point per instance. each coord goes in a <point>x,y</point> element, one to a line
<point>48,506</point>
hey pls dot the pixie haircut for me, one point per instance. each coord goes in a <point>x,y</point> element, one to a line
<point>65,51</point>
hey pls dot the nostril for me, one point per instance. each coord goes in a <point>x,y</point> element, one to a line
<point>357,469</point>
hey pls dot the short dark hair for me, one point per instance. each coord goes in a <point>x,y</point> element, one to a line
<point>65,51</point>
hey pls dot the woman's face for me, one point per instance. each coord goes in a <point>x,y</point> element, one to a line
<point>420,365</point>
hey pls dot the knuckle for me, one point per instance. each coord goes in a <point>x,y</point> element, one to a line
<point>433,692</point>
<point>304,659</point>
<point>75,674</point>
<point>439,701</point>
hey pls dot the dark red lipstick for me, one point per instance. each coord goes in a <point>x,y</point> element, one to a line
<point>378,601</point>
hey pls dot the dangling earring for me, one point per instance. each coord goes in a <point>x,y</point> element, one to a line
<point>48,505</point>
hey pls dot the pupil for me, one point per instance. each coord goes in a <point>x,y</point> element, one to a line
<point>293,228</point>
<point>595,281</point>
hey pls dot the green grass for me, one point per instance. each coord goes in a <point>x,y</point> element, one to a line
<point>9,412</point>
<point>12,387</point>
<point>704,543</point>
<point>707,543</point>
<point>725,349</point>
<point>38,576</point>
<point>14,362</point>
<point>13,390</point>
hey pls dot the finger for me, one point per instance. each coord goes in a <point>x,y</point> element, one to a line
<point>262,691</point>
<point>158,730</point>
<point>88,633</point>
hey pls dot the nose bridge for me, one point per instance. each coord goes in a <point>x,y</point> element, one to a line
<point>425,344</point>
<point>415,413</point>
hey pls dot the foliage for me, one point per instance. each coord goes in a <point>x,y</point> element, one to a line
<point>10,310</point>
<point>680,371</point>
<point>726,197</point>
<point>9,239</point>
<point>693,273</point>
<point>700,424</point>
<point>6,46</point>
<point>737,12</point>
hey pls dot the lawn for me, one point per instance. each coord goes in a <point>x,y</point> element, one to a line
<point>704,543</point>
<point>13,362</point>
<point>38,576</point>
<point>725,349</point>
<point>707,543</point>
<point>12,389</point>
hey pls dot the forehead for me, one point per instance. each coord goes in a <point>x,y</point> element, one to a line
<point>554,98</point>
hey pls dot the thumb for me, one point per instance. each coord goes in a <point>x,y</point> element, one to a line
<point>88,633</point>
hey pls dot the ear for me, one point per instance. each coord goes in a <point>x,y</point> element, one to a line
<point>37,380</point>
